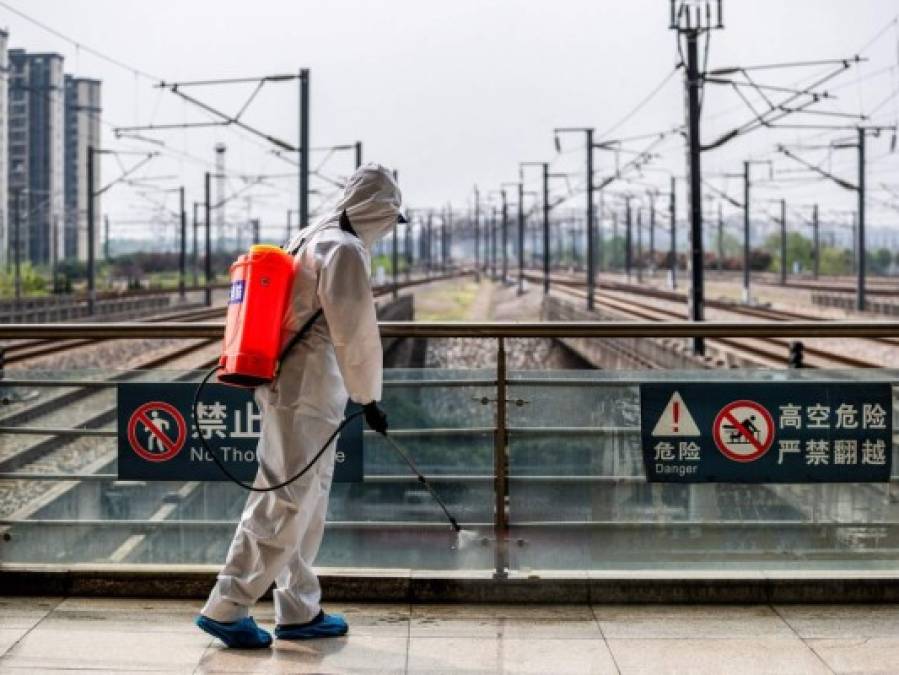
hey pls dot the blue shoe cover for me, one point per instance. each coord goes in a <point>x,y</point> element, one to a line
<point>324,625</point>
<point>242,634</point>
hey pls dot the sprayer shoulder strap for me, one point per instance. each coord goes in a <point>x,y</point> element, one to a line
<point>306,327</point>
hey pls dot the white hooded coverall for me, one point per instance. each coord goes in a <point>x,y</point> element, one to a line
<point>280,531</point>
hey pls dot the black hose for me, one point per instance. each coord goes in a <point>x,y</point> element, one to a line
<point>221,465</point>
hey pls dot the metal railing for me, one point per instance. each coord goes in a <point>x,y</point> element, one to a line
<point>498,331</point>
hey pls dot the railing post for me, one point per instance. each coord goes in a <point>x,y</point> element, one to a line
<point>500,468</point>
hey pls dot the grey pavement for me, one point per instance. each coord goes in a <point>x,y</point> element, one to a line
<point>50,635</point>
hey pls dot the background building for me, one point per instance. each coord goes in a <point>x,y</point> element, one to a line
<point>82,129</point>
<point>36,150</point>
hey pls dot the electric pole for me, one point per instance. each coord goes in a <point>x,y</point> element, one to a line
<point>720,238</point>
<point>303,203</point>
<point>628,238</point>
<point>207,263</point>
<point>520,233</point>
<point>652,232</point>
<point>395,262</point>
<point>505,225</point>
<point>672,215</point>
<point>860,302</point>
<point>195,254</point>
<point>695,303</point>
<point>477,234</point>
<point>545,228</point>
<point>17,243</point>
<point>106,238</point>
<point>357,147</point>
<point>689,24</point>
<point>91,206</point>
<point>783,242</point>
<point>816,238</point>
<point>182,253</point>
<point>640,245</point>
<point>220,149</point>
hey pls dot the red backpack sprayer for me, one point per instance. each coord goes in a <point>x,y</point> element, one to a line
<point>261,285</point>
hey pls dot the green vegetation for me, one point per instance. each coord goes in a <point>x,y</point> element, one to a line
<point>799,249</point>
<point>34,281</point>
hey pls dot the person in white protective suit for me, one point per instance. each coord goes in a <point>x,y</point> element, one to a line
<point>280,531</point>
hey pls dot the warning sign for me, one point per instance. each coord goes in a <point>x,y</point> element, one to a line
<point>157,431</point>
<point>158,440</point>
<point>783,431</point>
<point>743,431</point>
<point>676,420</point>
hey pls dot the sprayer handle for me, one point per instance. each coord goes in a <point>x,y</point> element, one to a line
<point>375,417</point>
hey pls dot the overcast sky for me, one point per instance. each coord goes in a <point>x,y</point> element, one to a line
<point>453,94</point>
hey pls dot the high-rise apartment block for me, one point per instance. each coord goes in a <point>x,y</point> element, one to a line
<point>82,115</point>
<point>36,151</point>
<point>49,123</point>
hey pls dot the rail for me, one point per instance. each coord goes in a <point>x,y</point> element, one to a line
<point>489,329</point>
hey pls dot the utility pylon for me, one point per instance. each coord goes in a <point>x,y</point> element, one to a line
<point>689,23</point>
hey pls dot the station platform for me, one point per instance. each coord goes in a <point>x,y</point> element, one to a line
<point>55,634</point>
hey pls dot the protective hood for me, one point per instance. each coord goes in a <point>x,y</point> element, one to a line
<point>372,202</point>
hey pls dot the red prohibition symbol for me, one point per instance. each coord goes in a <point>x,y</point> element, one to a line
<point>168,441</point>
<point>743,431</point>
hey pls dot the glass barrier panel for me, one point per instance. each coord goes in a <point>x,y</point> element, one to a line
<point>579,499</point>
<point>442,418</point>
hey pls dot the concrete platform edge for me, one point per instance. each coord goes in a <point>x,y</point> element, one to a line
<point>419,588</point>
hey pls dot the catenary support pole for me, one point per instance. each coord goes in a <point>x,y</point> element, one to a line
<point>694,82</point>
<point>17,244</point>
<point>591,276</point>
<point>652,232</point>
<point>747,263</point>
<point>505,238</point>
<point>720,237</point>
<point>628,238</point>
<point>477,234</point>
<point>395,262</point>
<point>546,251</point>
<point>860,244</point>
<point>182,249</point>
<point>783,242</point>
<point>91,224</point>
<point>816,238</point>
<point>207,263</point>
<point>303,203</point>
<point>639,245</point>
<point>521,235</point>
<point>195,262</point>
<point>672,216</point>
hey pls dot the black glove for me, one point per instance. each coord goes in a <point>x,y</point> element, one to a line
<point>375,417</point>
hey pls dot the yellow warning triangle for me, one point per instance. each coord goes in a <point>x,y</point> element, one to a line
<point>676,420</point>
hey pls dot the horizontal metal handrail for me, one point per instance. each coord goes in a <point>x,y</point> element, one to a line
<point>429,383</point>
<point>377,478</point>
<point>493,329</point>
<point>441,525</point>
<point>368,478</point>
<point>410,432</point>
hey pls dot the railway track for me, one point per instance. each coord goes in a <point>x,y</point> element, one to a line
<point>770,351</point>
<point>765,313</point>
<point>33,442</point>
<point>19,351</point>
